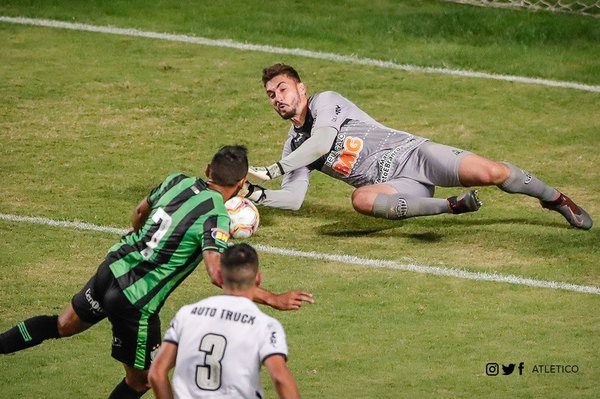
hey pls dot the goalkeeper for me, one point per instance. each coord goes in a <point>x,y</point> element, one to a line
<point>394,172</point>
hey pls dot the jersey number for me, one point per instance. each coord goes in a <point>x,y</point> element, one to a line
<point>162,217</point>
<point>208,374</point>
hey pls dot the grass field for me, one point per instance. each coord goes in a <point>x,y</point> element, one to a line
<point>90,121</point>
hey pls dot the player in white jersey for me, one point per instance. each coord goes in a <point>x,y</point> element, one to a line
<point>218,344</point>
<point>395,173</point>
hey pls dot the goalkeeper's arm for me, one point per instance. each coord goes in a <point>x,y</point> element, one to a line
<point>312,149</point>
<point>291,195</point>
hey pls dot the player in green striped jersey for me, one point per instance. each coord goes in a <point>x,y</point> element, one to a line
<point>180,223</point>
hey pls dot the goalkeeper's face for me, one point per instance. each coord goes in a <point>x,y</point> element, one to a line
<point>287,96</point>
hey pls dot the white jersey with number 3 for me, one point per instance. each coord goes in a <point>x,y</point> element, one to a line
<point>222,342</point>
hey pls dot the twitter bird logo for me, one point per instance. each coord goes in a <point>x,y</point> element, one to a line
<point>508,370</point>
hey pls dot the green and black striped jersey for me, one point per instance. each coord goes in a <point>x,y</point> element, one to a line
<point>186,219</point>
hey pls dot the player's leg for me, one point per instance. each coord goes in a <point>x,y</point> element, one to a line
<point>475,170</point>
<point>133,386</point>
<point>410,191</point>
<point>36,330</point>
<point>29,333</point>
<point>136,339</point>
<point>406,198</point>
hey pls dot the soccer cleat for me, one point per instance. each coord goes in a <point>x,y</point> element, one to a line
<point>466,202</point>
<point>574,214</point>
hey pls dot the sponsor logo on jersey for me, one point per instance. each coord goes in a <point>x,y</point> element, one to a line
<point>346,158</point>
<point>385,164</point>
<point>219,235</point>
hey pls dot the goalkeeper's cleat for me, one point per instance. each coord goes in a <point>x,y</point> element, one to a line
<point>574,214</point>
<point>466,202</point>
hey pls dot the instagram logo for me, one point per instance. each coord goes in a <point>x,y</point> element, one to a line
<point>492,369</point>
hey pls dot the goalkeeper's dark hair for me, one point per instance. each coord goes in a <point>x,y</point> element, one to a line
<point>279,69</point>
<point>239,266</point>
<point>229,165</point>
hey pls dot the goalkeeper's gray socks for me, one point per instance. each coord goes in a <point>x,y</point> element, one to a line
<point>28,333</point>
<point>397,206</point>
<point>523,182</point>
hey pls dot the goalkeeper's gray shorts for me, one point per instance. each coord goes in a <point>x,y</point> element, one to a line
<point>429,165</point>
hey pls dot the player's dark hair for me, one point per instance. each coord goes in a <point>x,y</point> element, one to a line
<point>279,69</point>
<point>239,265</point>
<point>229,165</point>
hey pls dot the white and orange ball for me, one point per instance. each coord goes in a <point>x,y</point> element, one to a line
<point>244,217</point>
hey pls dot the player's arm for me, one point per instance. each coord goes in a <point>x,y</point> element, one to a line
<point>158,376</point>
<point>317,145</point>
<point>294,187</point>
<point>212,262</point>
<point>282,378</point>
<point>140,214</point>
<point>291,300</point>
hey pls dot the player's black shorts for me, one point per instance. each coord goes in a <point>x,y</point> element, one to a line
<point>136,333</point>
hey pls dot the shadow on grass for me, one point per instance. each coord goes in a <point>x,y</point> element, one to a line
<point>345,222</point>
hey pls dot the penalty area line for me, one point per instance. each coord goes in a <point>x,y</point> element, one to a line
<point>347,259</point>
<point>226,43</point>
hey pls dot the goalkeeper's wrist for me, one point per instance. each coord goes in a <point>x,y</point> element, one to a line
<point>255,193</point>
<point>275,170</point>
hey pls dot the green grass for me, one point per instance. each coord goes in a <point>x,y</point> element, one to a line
<point>428,33</point>
<point>89,122</point>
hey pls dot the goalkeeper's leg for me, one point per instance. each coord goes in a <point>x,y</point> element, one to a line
<point>478,171</point>
<point>406,198</point>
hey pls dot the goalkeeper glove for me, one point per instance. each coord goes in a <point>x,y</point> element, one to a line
<point>264,173</point>
<point>253,192</point>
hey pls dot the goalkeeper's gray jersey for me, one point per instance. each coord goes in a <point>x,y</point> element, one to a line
<point>364,152</point>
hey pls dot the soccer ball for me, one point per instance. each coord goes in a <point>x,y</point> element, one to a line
<point>244,217</point>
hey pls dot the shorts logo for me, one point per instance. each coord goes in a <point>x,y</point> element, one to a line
<point>154,352</point>
<point>116,342</point>
<point>219,235</point>
<point>95,305</point>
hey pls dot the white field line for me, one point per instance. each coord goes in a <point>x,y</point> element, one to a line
<point>295,51</point>
<point>352,260</point>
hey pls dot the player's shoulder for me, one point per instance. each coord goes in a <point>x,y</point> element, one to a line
<point>193,307</point>
<point>326,96</point>
<point>176,175</point>
<point>267,321</point>
<point>174,178</point>
<point>329,100</point>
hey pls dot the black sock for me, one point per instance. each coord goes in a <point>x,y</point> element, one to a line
<point>28,333</point>
<point>124,391</point>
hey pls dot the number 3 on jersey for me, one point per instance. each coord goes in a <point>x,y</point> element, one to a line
<point>162,217</point>
<point>208,375</point>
